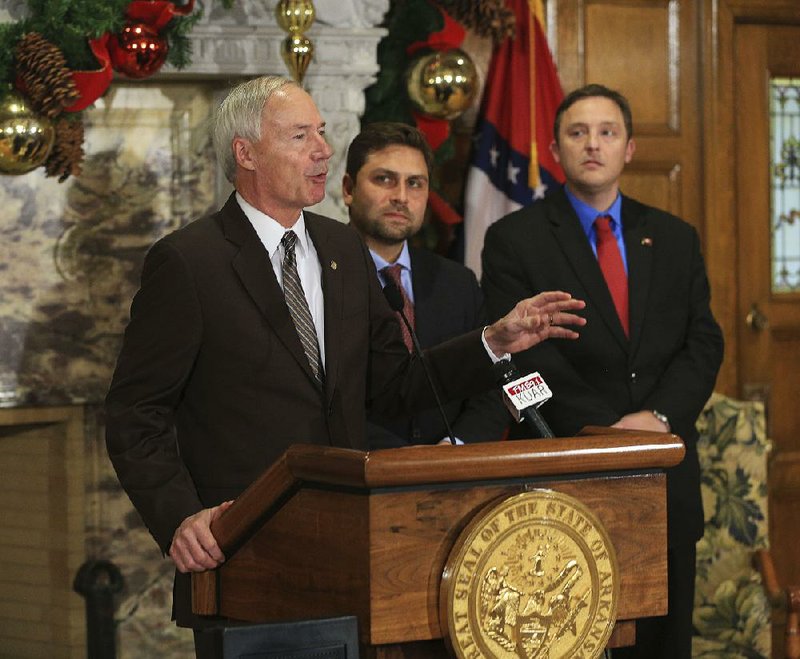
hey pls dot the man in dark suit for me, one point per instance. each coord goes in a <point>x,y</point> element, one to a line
<point>649,355</point>
<point>386,191</point>
<point>261,326</point>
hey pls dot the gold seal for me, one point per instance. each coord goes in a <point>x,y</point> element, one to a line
<point>533,577</point>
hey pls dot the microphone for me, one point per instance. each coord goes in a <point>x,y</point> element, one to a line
<point>395,299</point>
<point>522,395</point>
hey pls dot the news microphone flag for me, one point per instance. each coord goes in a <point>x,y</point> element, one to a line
<point>522,393</point>
<point>512,164</point>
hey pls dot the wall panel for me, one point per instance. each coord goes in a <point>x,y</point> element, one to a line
<point>633,48</point>
<point>646,49</point>
<point>660,183</point>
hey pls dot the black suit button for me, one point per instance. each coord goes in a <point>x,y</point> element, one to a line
<point>415,433</point>
<point>633,377</point>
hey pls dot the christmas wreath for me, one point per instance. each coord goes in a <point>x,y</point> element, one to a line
<point>61,58</point>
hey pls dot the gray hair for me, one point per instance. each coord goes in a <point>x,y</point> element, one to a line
<point>239,115</point>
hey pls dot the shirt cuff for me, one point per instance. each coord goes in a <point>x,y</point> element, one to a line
<point>506,356</point>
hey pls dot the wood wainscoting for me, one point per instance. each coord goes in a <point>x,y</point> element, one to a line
<point>42,537</point>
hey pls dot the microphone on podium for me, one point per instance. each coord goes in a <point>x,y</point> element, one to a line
<point>523,395</point>
<point>395,299</point>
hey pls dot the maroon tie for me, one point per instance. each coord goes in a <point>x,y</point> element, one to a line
<point>393,272</point>
<point>613,269</point>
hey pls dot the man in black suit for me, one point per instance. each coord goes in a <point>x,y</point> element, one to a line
<point>386,191</point>
<point>649,355</point>
<point>261,326</point>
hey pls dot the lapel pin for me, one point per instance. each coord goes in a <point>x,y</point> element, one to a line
<point>647,242</point>
<point>334,265</point>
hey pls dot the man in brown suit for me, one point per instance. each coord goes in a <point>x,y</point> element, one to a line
<point>219,373</point>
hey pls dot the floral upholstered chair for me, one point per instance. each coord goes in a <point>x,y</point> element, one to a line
<point>731,610</point>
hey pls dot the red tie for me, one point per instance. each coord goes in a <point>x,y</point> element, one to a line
<point>393,273</point>
<point>610,261</point>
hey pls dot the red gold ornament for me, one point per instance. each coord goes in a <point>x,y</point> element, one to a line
<point>138,51</point>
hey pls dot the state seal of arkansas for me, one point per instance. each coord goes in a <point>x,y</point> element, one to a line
<point>534,577</point>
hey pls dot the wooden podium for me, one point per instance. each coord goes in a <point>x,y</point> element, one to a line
<point>327,532</point>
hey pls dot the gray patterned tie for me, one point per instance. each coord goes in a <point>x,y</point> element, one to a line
<point>298,305</point>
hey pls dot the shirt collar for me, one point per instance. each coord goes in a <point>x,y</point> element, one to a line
<point>404,259</point>
<point>587,215</point>
<point>270,231</point>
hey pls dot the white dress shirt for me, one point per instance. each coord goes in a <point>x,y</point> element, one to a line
<point>270,232</point>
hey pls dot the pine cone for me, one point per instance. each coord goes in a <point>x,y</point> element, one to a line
<point>67,154</point>
<point>487,18</point>
<point>46,80</point>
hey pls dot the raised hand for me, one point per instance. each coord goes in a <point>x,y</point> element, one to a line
<point>533,320</point>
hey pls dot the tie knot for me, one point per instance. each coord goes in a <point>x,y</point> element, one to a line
<point>288,241</point>
<point>393,272</point>
<point>603,223</point>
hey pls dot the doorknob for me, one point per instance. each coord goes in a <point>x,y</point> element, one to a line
<point>755,319</point>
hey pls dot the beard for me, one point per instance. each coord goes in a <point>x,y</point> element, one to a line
<point>385,230</point>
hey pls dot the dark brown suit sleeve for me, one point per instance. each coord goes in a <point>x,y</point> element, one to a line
<point>158,352</point>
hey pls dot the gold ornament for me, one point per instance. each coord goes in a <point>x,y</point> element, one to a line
<point>442,84</point>
<point>25,137</point>
<point>297,52</point>
<point>295,17</point>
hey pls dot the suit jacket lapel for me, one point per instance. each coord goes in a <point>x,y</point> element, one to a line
<point>639,246</point>
<point>578,252</point>
<point>330,260</point>
<point>254,268</point>
<point>422,281</point>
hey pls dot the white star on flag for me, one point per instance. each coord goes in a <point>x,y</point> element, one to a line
<point>513,130</point>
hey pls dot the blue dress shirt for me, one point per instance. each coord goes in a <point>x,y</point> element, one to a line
<point>587,215</point>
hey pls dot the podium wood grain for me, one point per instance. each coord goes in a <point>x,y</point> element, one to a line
<point>330,531</point>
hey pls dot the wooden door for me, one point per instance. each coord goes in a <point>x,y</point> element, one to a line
<point>769,327</point>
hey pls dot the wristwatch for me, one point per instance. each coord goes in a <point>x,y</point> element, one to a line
<point>662,417</point>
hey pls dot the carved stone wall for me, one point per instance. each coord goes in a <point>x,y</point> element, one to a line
<point>71,253</point>
<point>245,41</point>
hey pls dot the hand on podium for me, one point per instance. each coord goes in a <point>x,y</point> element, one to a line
<point>642,420</point>
<point>194,548</point>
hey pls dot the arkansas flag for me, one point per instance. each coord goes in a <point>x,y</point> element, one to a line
<point>512,164</point>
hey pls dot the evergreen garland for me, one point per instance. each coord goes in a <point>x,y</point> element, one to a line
<point>488,18</point>
<point>10,34</point>
<point>177,35</point>
<point>408,22</point>
<point>69,24</point>
<point>412,21</point>
<point>39,53</point>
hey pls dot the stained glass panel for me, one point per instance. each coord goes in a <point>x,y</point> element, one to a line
<point>785,183</point>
